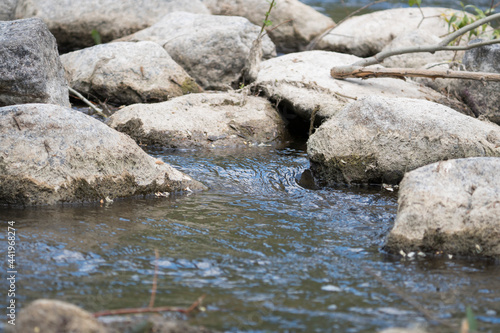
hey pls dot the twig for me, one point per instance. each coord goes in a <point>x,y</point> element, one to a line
<point>193,306</point>
<point>153,291</point>
<point>468,28</point>
<point>276,26</point>
<point>316,40</point>
<point>86,101</point>
<point>342,72</point>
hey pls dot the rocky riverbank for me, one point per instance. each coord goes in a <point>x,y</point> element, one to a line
<point>176,73</point>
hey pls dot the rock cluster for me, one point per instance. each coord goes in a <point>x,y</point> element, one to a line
<point>166,54</point>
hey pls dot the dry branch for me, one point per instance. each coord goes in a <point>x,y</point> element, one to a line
<point>344,72</point>
<point>193,306</point>
<point>358,69</point>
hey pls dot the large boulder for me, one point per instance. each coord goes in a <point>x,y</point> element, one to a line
<point>72,22</point>
<point>450,206</point>
<point>211,48</point>
<point>202,120</point>
<point>378,139</point>
<point>304,23</point>
<point>7,9</point>
<point>52,154</point>
<point>368,34</point>
<point>301,83</point>
<point>46,315</point>
<point>127,73</point>
<point>30,69</point>
<point>483,97</point>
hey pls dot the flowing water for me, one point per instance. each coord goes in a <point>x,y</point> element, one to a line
<point>269,251</point>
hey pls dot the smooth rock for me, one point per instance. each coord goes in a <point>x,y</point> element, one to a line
<point>51,154</point>
<point>368,34</point>
<point>376,140</point>
<point>7,9</point>
<point>211,48</point>
<point>415,60</point>
<point>30,69</point>
<point>127,73</point>
<point>483,97</point>
<point>202,120</point>
<point>301,83</point>
<point>304,24</point>
<point>72,22</point>
<point>450,206</point>
<point>45,315</point>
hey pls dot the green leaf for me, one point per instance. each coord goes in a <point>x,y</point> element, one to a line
<point>96,36</point>
<point>471,319</point>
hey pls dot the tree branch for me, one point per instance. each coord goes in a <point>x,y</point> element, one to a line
<point>344,72</point>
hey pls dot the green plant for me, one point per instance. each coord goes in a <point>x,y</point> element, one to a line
<point>267,22</point>
<point>96,36</point>
<point>456,22</point>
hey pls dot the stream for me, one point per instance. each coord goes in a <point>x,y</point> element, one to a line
<point>269,250</point>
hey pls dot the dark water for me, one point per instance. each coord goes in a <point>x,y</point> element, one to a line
<point>338,9</point>
<point>269,254</point>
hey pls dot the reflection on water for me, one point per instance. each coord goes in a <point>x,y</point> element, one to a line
<point>269,254</point>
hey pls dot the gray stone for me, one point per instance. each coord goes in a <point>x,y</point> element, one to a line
<point>127,73</point>
<point>7,9</point>
<point>45,315</point>
<point>415,60</point>
<point>202,120</point>
<point>368,34</point>
<point>72,22</point>
<point>304,24</point>
<point>30,69</point>
<point>376,140</point>
<point>51,154</point>
<point>450,206</point>
<point>211,48</point>
<point>483,97</point>
<point>301,83</point>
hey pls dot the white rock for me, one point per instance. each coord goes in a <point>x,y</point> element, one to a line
<point>127,73</point>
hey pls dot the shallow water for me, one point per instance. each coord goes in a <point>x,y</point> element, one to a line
<point>269,254</point>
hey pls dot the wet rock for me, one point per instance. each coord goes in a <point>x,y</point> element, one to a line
<point>483,97</point>
<point>368,34</point>
<point>305,22</point>
<point>127,73</point>
<point>202,120</point>
<point>7,9</point>
<point>51,154</point>
<point>46,315</point>
<point>30,69</point>
<point>72,22</point>
<point>376,140</point>
<point>301,83</point>
<point>415,60</point>
<point>450,206</point>
<point>212,49</point>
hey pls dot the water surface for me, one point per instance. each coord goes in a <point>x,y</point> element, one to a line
<point>269,254</point>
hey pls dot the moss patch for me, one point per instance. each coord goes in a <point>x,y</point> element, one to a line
<point>190,86</point>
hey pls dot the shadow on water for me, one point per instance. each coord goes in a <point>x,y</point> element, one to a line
<point>269,254</point>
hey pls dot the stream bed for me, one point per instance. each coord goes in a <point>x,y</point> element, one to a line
<point>268,253</point>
